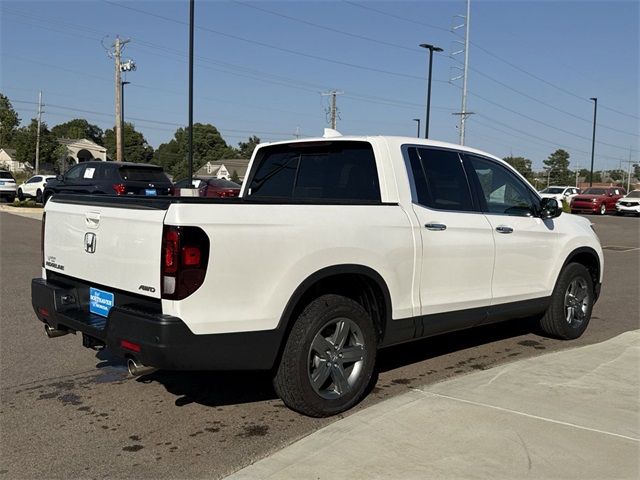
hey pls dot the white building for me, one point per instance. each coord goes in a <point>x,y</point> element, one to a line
<point>8,161</point>
<point>81,150</point>
<point>224,168</point>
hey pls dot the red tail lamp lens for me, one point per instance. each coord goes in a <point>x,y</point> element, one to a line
<point>127,345</point>
<point>191,256</point>
<point>43,311</point>
<point>119,188</point>
<point>171,241</point>
<point>185,255</point>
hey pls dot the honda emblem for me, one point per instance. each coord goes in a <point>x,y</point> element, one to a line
<point>90,242</point>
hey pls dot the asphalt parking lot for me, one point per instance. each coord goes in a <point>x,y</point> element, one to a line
<point>67,412</point>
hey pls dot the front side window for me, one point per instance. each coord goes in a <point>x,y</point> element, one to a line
<point>34,179</point>
<point>501,191</point>
<point>338,171</point>
<point>439,179</point>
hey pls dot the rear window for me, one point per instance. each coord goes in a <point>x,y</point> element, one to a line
<point>336,171</point>
<point>222,183</point>
<point>6,175</point>
<point>143,174</point>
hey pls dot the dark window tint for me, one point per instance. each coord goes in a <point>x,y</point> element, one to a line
<point>439,179</point>
<point>222,183</point>
<point>34,179</point>
<point>74,172</point>
<point>143,174</point>
<point>329,171</point>
<point>501,191</point>
<point>595,191</point>
<point>6,175</point>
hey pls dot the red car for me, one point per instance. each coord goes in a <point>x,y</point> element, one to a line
<point>210,187</point>
<point>597,200</point>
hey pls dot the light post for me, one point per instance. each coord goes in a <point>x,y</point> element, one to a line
<point>593,138</point>
<point>417,120</point>
<point>432,49</point>
<point>549,176</point>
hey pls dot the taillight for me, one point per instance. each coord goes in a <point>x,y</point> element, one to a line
<point>119,188</point>
<point>44,216</point>
<point>185,254</point>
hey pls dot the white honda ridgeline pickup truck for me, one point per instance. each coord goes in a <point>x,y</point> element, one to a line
<point>335,248</point>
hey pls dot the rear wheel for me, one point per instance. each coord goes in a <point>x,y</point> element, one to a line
<point>328,359</point>
<point>20,194</point>
<point>571,303</point>
<point>39,196</point>
<point>603,209</point>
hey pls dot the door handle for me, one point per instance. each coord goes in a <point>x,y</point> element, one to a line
<point>504,229</point>
<point>436,227</point>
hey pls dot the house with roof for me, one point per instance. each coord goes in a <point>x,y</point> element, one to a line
<point>8,161</point>
<point>224,168</point>
<point>81,150</point>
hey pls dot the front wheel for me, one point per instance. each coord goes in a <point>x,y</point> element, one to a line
<point>571,303</point>
<point>603,209</point>
<point>20,194</point>
<point>329,357</point>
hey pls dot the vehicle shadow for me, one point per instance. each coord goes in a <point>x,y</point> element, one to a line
<point>217,389</point>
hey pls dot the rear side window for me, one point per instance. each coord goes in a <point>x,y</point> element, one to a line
<point>222,183</point>
<point>439,179</point>
<point>143,174</point>
<point>338,171</point>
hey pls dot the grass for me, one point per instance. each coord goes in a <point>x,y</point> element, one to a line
<point>26,204</point>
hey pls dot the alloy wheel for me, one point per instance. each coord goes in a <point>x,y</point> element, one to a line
<point>576,301</point>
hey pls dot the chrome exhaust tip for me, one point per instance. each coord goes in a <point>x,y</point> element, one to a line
<point>54,332</point>
<point>137,369</point>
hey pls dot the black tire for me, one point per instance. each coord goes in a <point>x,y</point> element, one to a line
<point>603,209</point>
<point>20,194</point>
<point>293,379</point>
<point>555,321</point>
<point>39,196</point>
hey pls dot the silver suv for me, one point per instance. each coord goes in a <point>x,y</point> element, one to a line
<point>7,186</point>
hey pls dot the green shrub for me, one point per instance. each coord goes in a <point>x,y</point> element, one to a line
<point>26,204</point>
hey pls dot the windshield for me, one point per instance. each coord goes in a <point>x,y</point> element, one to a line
<point>552,190</point>
<point>634,194</point>
<point>595,191</point>
<point>6,175</point>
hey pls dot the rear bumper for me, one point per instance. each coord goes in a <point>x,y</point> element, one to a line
<point>161,341</point>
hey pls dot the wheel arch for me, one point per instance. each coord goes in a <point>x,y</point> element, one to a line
<point>358,282</point>
<point>588,257</point>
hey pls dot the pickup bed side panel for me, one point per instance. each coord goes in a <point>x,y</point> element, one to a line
<point>260,254</point>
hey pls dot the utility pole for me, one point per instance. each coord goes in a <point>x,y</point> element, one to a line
<point>431,48</point>
<point>117,57</point>
<point>191,27</point>
<point>593,138</point>
<point>463,114</point>
<point>38,134</point>
<point>333,109</point>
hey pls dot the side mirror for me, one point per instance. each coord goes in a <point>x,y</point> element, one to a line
<point>59,178</point>
<point>549,208</point>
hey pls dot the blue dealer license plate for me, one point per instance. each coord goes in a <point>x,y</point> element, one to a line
<point>100,302</point>
<point>150,191</point>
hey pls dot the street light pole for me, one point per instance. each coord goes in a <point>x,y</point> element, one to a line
<point>122,84</point>
<point>593,138</point>
<point>191,8</point>
<point>417,120</point>
<point>432,49</point>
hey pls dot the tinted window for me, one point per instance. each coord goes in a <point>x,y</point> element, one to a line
<point>439,179</point>
<point>328,170</point>
<point>74,172</point>
<point>500,190</point>
<point>34,179</point>
<point>222,183</point>
<point>595,191</point>
<point>552,190</point>
<point>6,175</point>
<point>143,174</point>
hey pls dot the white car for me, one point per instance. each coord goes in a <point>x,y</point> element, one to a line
<point>7,186</point>
<point>34,187</point>
<point>629,204</point>
<point>560,193</point>
<point>337,247</point>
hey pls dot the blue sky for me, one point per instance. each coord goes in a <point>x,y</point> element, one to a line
<point>533,67</point>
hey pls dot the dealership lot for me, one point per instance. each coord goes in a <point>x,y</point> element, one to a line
<point>68,412</point>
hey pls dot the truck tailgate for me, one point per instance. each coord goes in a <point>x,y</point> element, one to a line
<point>105,245</point>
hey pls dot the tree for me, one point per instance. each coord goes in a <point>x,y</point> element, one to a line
<point>616,175</point>
<point>135,148</point>
<point>24,141</point>
<point>208,146</point>
<point>597,176</point>
<point>234,177</point>
<point>245,149</point>
<point>557,166</point>
<point>79,128</point>
<point>9,122</point>
<point>522,165</point>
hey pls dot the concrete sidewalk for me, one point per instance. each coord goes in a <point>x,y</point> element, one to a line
<point>22,211</point>
<point>571,414</point>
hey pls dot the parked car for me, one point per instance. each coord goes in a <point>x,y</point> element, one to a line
<point>629,204</point>
<point>7,186</point>
<point>34,187</point>
<point>597,200</point>
<point>110,178</point>
<point>337,247</point>
<point>209,187</point>
<point>560,193</point>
